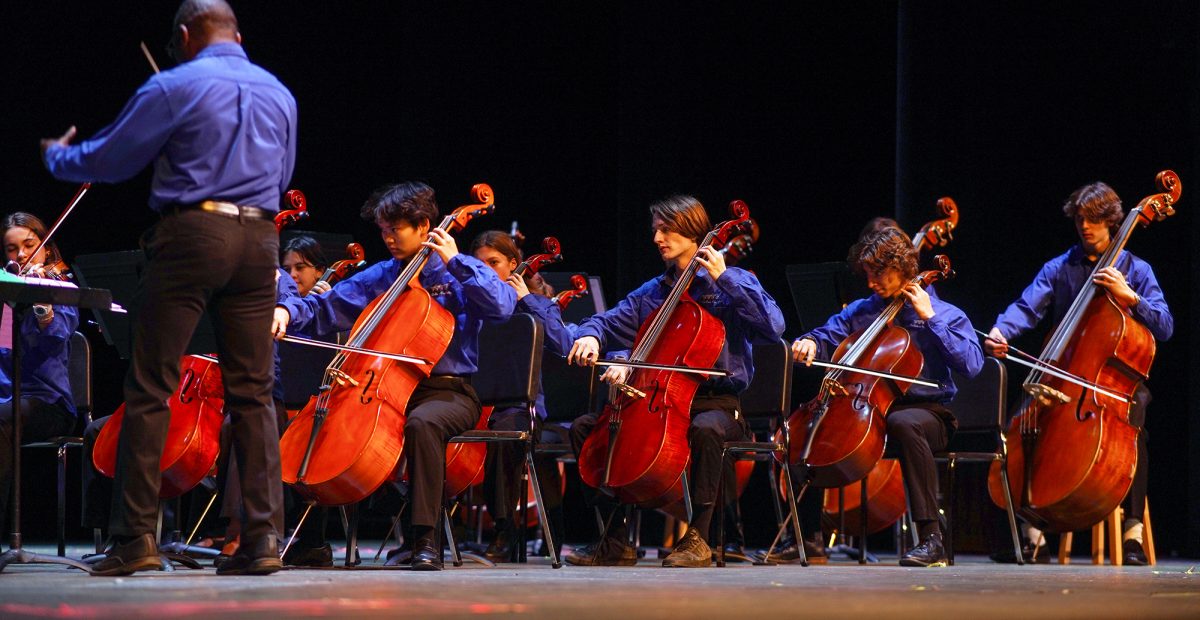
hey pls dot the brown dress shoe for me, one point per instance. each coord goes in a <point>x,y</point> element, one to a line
<point>258,558</point>
<point>126,558</point>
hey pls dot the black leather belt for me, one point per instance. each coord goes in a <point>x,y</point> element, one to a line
<point>228,209</point>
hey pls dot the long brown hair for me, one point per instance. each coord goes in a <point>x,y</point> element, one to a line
<point>33,223</point>
<point>503,243</point>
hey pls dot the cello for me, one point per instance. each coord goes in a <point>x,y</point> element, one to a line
<point>346,441</point>
<point>1071,449</point>
<point>639,449</point>
<point>839,435</point>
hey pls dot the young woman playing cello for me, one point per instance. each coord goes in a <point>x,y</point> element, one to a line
<point>504,461</point>
<point>920,421</point>
<point>45,331</point>
<point>1096,211</point>
<point>443,405</point>
<point>736,298</point>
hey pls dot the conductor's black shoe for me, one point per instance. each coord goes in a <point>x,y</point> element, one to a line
<point>611,551</point>
<point>427,554</point>
<point>314,557</point>
<point>1029,554</point>
<point>128,557</point>
<point>691,552</point>
<point>929,553</point>
<point>260,557</point>
<point>813,552</point>
<point>1135,555</point>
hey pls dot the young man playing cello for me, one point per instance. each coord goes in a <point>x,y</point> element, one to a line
<point>920,421</point>
<point>443,405</point>
<point>748,312</point>
<point>1096,211</point>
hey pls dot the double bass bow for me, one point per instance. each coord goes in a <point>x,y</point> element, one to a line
<point>639,450</point>
<point>1071,449</point>
<point>346,441</point>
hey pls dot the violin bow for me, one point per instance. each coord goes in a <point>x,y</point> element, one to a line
<point>873,373</point>
<point>341,347</point>
<point>708,372</point>
<point>1050,369</point>
<point>70,207</point>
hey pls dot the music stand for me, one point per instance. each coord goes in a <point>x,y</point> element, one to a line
<point>23,293</point>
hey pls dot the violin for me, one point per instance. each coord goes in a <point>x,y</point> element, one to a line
<point>639,450</point>
<point>1071,449</point>
<point>839,435</point>
<point>298,212</point>
<point>193,436</point>
<point>346,441</point>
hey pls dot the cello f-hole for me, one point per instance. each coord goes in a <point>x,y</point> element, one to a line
<point>184,396</point>
<point>363,398</point>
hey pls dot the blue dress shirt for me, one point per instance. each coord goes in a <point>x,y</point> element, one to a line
<point>1061,279</point>
<point>44,359</point>
<point>217,127</point>
<point>947,341</point>
<point>467,288</point>
<point>737,298</point>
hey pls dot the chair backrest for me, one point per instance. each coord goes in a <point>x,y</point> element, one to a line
<point>981,402</point>
<point>79,373</point>
<point>510,361</point>
<point>770,391</point>
<point>566,388</point>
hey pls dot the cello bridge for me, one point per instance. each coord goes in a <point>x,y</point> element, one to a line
<point>1045,394</point>
<point>834,387</point>
<point>629,390</point>
<point>342,378</point>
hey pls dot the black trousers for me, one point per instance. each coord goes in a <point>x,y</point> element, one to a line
<point>440,408</point>
<point>916,432</point>
<point>715,420</point>
<point>505,462</point>
<point>199,261</point>
<point>97,488</point>
<point>39,421</point>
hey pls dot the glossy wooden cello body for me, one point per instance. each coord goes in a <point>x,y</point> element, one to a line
<point>638,450</point>
<point>347,440</point>
<point>1071,450</point>
<point>850,407</point>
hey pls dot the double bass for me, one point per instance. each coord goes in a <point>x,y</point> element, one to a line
<point>839,435</point>
<point>1071,449</point>
<point>639,450</point>
<point>346,441</point>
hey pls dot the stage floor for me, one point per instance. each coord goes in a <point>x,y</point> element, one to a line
<point>974,588</point>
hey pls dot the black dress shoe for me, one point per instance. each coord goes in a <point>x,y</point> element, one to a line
<point>128,557</point>
<point>1029,554</point>
<point>500,549</point>
<point>1135,555</point>
<point>427,553</point>
<point>929,553</point>
<point>313,557</point>
<point>260,557</point>
<point>813,552</point>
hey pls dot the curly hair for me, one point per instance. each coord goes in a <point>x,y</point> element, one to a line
<point>883,249</point>
<point>1096,202</point>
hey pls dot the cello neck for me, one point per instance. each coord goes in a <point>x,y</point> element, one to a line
<point>686,276</point>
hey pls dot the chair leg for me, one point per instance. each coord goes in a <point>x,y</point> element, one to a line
<point>455,556</point>
<point>62,501</point>
<point>862,529</point>
<point>792,494</point>
<point>350,526</point>
<point>720,508</point>
<point>949,496</point>
<point>543,514</point>
<point>1064,547</point>
<point>1113,523</point>
<point>1148,536</point>
<point>1098,543</point>
<point>1012,516</point>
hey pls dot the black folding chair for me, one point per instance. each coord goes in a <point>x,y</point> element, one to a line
<point>510,362</point>
<point>767,398</point>
<point>980,407</point>
<point>79,371</point>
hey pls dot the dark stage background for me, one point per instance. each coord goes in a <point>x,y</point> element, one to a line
<point>818,115</point>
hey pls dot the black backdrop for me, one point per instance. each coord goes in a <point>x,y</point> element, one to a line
<point>818,115</point>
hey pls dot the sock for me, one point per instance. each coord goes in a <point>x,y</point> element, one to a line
<point>1034,535</point>
<point>1133,532</point>
<point>927,528</point>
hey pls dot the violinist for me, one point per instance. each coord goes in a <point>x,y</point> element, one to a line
<point>47,409</point>
<point>504,461</point>
<point>445,404</point>
<point>301,258</point>
<point>748,312</point>
<point>920,422</point>
<point>222,132</point>
<point>1097,213</point>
